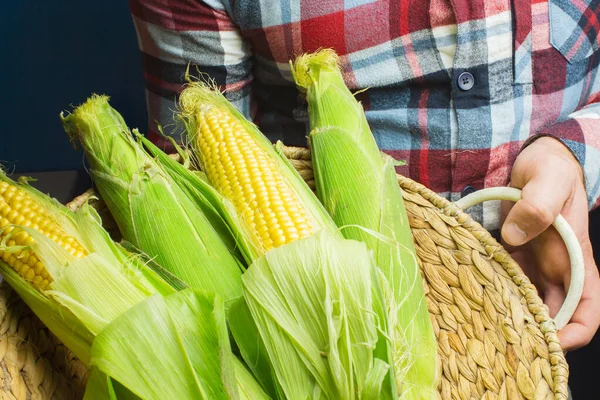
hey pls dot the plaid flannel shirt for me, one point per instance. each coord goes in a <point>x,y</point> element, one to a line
<point>534,65</point>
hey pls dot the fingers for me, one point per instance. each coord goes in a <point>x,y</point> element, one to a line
<point>505,207</point>
<point>586,319</point>
<point>551,184</point>
<point>548,176</point>
<point>539,206</point>
<point>575,335</point>
<point>584,324</point>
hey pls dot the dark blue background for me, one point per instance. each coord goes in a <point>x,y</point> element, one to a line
<point>53,54</point>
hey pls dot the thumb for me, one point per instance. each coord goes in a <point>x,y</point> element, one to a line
<point>538,207</point>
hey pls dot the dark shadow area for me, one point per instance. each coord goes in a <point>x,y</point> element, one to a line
<point>64,186</point>
<point>583,363</point>
<point>54,55</point>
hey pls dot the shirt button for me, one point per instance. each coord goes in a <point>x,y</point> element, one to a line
<point>466,81</point>
<point>467,190</point>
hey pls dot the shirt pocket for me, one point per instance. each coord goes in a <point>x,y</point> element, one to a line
<point>574,27</point>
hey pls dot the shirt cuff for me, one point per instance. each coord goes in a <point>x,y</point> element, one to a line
<point>580,133</point>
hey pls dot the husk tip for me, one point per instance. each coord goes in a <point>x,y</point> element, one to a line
<point>90,104</point>
<point>81,112</point>
<point>304,65</point>
<point>198,91</point>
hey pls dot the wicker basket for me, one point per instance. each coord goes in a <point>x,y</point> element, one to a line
<point>33,363</point>
<point>496,339</point>
<point>495,336</point>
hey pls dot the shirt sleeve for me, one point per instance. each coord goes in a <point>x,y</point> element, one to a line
<point>172,35</point>
<point>580,132</point>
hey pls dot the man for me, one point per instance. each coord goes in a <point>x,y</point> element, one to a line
<point>471,93</point>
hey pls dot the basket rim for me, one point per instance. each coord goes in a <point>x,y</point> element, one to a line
<point>495,250</point>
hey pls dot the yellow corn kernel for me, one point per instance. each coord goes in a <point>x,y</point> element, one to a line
<point>32,261</point>
<point>241,171</point>
<point>29,275</point>
<point>17,208</point>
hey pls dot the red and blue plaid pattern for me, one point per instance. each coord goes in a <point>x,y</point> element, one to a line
<point>534,63</point>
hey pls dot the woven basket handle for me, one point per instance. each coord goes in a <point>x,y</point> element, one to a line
<point>565,231</point>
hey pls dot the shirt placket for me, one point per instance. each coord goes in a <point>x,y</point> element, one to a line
<point>474,74</point>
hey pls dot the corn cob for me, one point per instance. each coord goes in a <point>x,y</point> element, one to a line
<point>241,171</point>
<point>152,210</point>
<point>18,208</point>
<point>45,248</point>
<point>274,204</point>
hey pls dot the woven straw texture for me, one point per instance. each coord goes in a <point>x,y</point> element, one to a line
<point>33,363</point>
<point>496,339</point>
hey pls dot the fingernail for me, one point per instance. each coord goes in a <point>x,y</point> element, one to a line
<point>514,235</point>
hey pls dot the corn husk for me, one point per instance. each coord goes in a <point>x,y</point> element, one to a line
<point>248,386</point>
<point>358,186</point>
<point>86,293</point>
<point>181,336</point>
<point>151,210</point>
<point>219,210</point>
<point>318,308</point>
<point>175,346</point>
<point>252,348</point>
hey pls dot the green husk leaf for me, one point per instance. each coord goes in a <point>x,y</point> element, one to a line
<point>61,321</point>
<point>318,309</point>
<point>157,274</point>
<point>357,185</point>
<point>99,386</point>
<point>102,387</point>
<point>252,349</point>
<point>375,379</point>
<point>146,273</point>
<point>99,286</point>
<point>151,210</point>
<point>169,231</point>
<point>176,345</point>
<point>248,387</point>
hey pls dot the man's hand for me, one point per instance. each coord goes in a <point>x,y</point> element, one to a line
<point>552,183</point>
